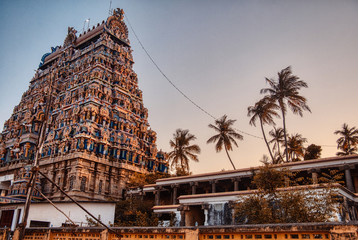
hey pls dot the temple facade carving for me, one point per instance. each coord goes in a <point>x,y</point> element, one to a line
<point>97,133</point>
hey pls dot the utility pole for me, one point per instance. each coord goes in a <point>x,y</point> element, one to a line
<point>20,230</point>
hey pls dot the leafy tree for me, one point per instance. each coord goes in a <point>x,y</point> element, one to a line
<point>285,91</point>
<point>313,152</point>
<point>278,139</point>
<point>348,140</point>
<point>136,180</point>
<point>132,212</point>
<point>226,136</point>
<point>268,179</point>
<point>253,210</point>
<point>183,151</point>
<point>295,147</point>
<point>269,204</point>
<point>264,110</point>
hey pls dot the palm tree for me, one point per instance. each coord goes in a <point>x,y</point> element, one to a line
<point>348,140</point>
<point>295,147</point>
<point>182,150</point>
<point>264,110</point>
<point>226,136</point>
<point>285,90</point>
<point>278,139</point>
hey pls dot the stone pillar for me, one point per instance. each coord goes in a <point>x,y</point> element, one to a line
<point>182,209</point>
<point>182,218</point>
<point>205,207</point>
<point>193,187</point>
<point>213,186</point>
<point>157,196</point>
<point>236,183</point>
<point>232,209</point>
<point>349,182</point>
<point>175,193</point>
<point>314,177</point>
<point>355,182</point>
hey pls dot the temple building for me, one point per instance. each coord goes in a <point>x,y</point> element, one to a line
<point>96,134</point>
<point>209,199</point>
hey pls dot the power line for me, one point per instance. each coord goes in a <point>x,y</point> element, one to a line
<point>180,91</point>
<point>249,134</point>
<point>165,76</point>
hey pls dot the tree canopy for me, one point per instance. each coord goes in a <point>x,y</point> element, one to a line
<point>264,110</point>
<point>272,204</point>
<point>348,140</point>
<point>225,137</point>
<point>183,150</point>
<point>285,91</point>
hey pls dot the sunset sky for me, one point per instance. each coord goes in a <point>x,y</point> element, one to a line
<point>217,52</point>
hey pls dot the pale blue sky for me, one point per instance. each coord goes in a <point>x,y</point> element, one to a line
<point>217,52</point>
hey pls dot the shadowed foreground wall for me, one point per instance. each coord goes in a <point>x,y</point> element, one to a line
<point>334,231</point>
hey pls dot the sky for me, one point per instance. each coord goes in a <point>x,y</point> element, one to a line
<point>217,52</point>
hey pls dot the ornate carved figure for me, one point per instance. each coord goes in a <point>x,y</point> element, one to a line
<point>71,36</point>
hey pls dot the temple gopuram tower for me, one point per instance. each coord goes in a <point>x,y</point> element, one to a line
<point>97,133</point>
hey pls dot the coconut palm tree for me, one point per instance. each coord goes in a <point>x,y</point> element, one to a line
<point>264,110</point>
<point>183,151</point>
<point>295,147</point>
<point>348,140</point>
<point>285,90</point>
<point>226,136</point>
<point>278,139</point>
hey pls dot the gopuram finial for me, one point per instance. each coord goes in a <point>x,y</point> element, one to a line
<point>116,25</point>
<point>71,36</point>
<point>119,13</point>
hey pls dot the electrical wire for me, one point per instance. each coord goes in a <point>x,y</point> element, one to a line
<point>181,92</point>
<point>165,76</point>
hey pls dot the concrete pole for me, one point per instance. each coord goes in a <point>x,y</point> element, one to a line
<point>175,192</point>
<point>157,197</point>
<point>349,182</point>
<point>193,187</point>
<point>213,186</point>
<point>315,177</point>
<point>236,185</point>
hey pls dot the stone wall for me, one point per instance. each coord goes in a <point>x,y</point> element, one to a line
<point>283,231</point>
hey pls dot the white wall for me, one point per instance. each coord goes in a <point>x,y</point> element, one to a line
<point>46,212</point>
